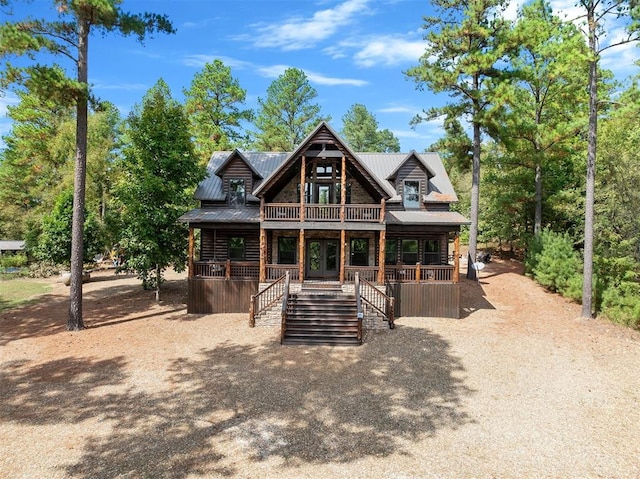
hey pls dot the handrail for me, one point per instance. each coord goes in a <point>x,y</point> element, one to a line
<point>379,301</point>
<point>358,305</point>
<point>285,304</point>
<point>268,296</point>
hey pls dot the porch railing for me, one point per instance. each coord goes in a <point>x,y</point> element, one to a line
<point>377,300</point>
<point>313,212</point>
<point>370,273</point>
<point>285,308</point>
<point>226,269</point>
<point>267,298</point>
<point>275,271</point>
<point>359,310</point>
<point>419,273</point>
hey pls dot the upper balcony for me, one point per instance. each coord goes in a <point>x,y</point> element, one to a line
<point>368,213</point>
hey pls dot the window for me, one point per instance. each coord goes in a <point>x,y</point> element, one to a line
<point>237,192</point>
<point>411,194</point>
<point>409,251</point>
<point>390,252</point>
<point>287,250</point>
<point>359,252</point>
<point>431,254</point>
<point>236,248</point>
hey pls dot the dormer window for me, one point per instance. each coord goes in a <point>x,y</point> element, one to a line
<point>411,194</point>
<point>237,192</point>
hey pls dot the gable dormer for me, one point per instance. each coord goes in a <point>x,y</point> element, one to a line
<point>411,180</point>
<point>239,178</point>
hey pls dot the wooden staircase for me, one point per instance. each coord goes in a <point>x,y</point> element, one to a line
<point>322,317</point>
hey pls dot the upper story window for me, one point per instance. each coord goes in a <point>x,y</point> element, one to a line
<point>237,192</point>
<point>236,248</point>
<point>411,194</point>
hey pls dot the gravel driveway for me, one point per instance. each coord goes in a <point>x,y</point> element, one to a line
<point>518,387</point>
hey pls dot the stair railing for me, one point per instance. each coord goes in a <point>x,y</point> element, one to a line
<point>266,298</point>
<point>285,304</point>
<point>378,300</point>
<point>358,305</point>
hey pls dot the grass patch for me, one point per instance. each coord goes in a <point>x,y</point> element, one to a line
<point>19,291</point>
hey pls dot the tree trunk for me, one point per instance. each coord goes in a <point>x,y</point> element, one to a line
<point>75,321</point>
<point>537,221</point>
<point>587,281</point>
<point>475,202</point>
<point>157,283</point>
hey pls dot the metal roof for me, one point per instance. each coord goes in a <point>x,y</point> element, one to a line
<point>11,245</point>
<point>421,217</point>
<point>221,215</point>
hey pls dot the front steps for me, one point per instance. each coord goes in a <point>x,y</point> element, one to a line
<point>322,315</point>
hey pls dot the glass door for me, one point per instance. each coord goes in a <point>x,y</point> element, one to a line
<point>322,259</point>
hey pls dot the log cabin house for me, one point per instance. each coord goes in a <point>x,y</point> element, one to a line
<point>324,241</point>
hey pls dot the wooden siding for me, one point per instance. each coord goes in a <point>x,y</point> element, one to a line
<point>214,243</point>
<point>208,296</point>
<point>427,299</point>
<point>412,169</point>
<point>237,168</point>
<point>420,234</point>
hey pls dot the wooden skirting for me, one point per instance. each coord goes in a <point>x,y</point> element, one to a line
<point>427,299</point>
<point>207,296</point>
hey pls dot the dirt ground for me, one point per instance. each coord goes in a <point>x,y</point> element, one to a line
<point>519,386</point>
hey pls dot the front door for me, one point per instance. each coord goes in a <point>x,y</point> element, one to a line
<point>322,259</point>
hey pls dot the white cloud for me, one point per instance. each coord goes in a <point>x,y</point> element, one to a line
<point>7,99</point>
<point>199,61</point>
<point>275,71</point>
<point>100,85</point>
<point>389,50</point>
<point>297,33</point>
<point>398,109</point>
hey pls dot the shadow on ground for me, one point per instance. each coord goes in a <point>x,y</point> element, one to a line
<point>295,404</point>
<point>107,305</point>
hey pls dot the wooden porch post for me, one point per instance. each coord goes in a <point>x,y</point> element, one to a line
<point>383,204</point>
<point>418,272</point>
<point>301,259</point>
<point>263,255</point>
<point>262,209</point>
<point>343,186</point>
<point>190,252</point>
<point>303,168</point>
<point>343,248</point>
<point>456,258</point>
<point>381,256</point>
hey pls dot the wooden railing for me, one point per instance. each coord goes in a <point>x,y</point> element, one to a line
<point>267,298</point>
<point>313,212</point>
<point>378,300</point>
<point>275,271</point>
<point>370,273</point>
<point>419,273</point>
<point>285,306</point>
<point>360,313</point>
<point>226,269</point>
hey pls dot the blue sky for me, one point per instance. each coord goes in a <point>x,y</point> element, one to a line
<point>352,51</point>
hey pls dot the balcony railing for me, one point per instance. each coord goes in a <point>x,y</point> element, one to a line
<point>399,273</point>
<point>291,212</point>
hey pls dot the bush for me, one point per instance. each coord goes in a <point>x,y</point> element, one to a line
<point>44,269</point>
<point>556,266</point>
<point>621,303</point>
<point>18,260</point>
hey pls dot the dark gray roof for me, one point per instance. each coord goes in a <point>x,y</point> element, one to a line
<point>221,215</point>
<point>380,165</point>
<point>421,217</point>
<point>211,187</point>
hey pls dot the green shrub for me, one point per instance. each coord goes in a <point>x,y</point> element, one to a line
<point>621,303</point>
<point>44,269</point>
<point>557,266</point>
<point>534,248</point>
<point>18,260</point>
